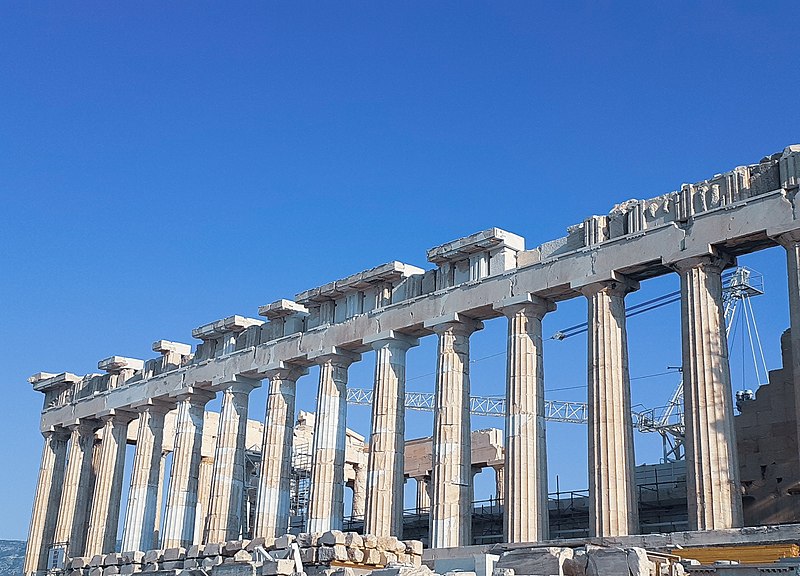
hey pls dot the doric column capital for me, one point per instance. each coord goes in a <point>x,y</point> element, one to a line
<point>334,355</point>
<point>84,426</point>
<point>529,303</point>
<point>155,405</point>
<point>787,239</point>
<point>281,370</point>
<point>455,322</point>
<point>618,285</point>
<point>237,384</point>
<point>56,433</point>
<point>391,338</point>
<point>716,261</point>
<point>117,416</point>
<point>196,396</point>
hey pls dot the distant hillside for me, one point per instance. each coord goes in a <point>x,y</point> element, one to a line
<point>12,553</point>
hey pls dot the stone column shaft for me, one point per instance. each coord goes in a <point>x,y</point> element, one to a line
<point>203,496</point>
<point>383,515</point>
<point>101,537</point>
<point>143,503</point>
<point>451,508</point>
<point>791,242</point>
<point>272,504</point>
<point>224,520</point>
<point>712,469</point>
<point>524,488</point>
<point>181,508</point>
<point>159,500</point>
<point>76,492</point>
<point>423,493</point>
<point>613,508</point>
<point>46,501</point>
<point>326,496</point>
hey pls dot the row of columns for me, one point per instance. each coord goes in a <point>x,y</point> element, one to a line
<point>65,487</point>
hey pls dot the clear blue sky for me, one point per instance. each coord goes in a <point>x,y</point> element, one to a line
<point>163,165</point>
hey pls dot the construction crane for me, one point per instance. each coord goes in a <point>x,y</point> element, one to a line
<point>739,285</point>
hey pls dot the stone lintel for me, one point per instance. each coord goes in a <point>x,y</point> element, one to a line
<point>440,322</point>
<point>787,234</point>
<point>490,239</point>
<point>43,381</point>
<point>224,326</point>
<point>201,395</point>
<point>282,308</point>
<point>119,414</point>
<point>389,272</point>
<point>115,364</point>
<point>510,304</point>
<point>162,403</point>
<point>376,339</point>
<point>333,353</point>
<point>165,346</point>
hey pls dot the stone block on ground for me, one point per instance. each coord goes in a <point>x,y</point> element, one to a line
<point>134,556</point>
<point>255,543</point>
<point>242,556</point>
<point>192,563</point>
<point>328,554</point>
<point>388,543</point>
<point>370,541</point>
<point>172,565</point>
<point>332,538</point>
<point>233,546</point>
<point>153,556</point>
<point>235,569</point>
<point>371,556</point>
<point>111,570</point>
<point>305,539</point>
<point>576,566</point>
<point>354,555</point>
<point>194,551</point>
<point>413,547</point>
<point>278,568</point>
<point>79,562</point>
<point>130,568</point>
<point>214,549</point>
<point>603,561</point>
<point>308,555</point>
<point>211,561</point>
<point>97,560</point>
<point>545,560</point>
<point>638,563</point>
<point>353,539</point>
<point>174,554</point>
<point>285,541</point>
<point>112,559</point>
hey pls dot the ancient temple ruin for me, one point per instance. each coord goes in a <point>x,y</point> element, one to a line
<point>695,232</point>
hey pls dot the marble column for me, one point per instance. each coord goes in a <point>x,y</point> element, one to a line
<point>143,503</point>
<point>423,501</point>
<point>359,491</point>
<point>273,499</point>
<point>791,242</point>
<point>712,469</point>
<point>203,496</point>
<point>613,508</point>
<point>451,508</point>
<point>181,508</point>
<point>526,517</point>
<point>326,494</point>
<point>76,490</point>
<point>160,500</point>
<point>47,499</point>
<point>384,483</point>
<point>224,520</point>
<point>101,537</point>
<point>500,483</point>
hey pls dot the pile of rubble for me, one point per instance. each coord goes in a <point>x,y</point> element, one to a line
<point>289,555</point>
<point>588,560</point>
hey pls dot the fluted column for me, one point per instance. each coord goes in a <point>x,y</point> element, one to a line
<point>179,518</point>
<point>791,242</point>
<point>423,493</point>
<point>451,508</point>
<point>712,469</point>
<point>203,496</point>
<point>613,508</point>
<point>143,504</point>
<point>101,537</point>
<point>273,500</point>
<point>47,499</point>
<point>526,517</point>
<point>224,520</point>
<point>160,500</point>
<point>76,493</point>
<point>383,515</point>
<point>326,496</point>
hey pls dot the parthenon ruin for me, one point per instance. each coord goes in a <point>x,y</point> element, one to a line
<point>695,232</point>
